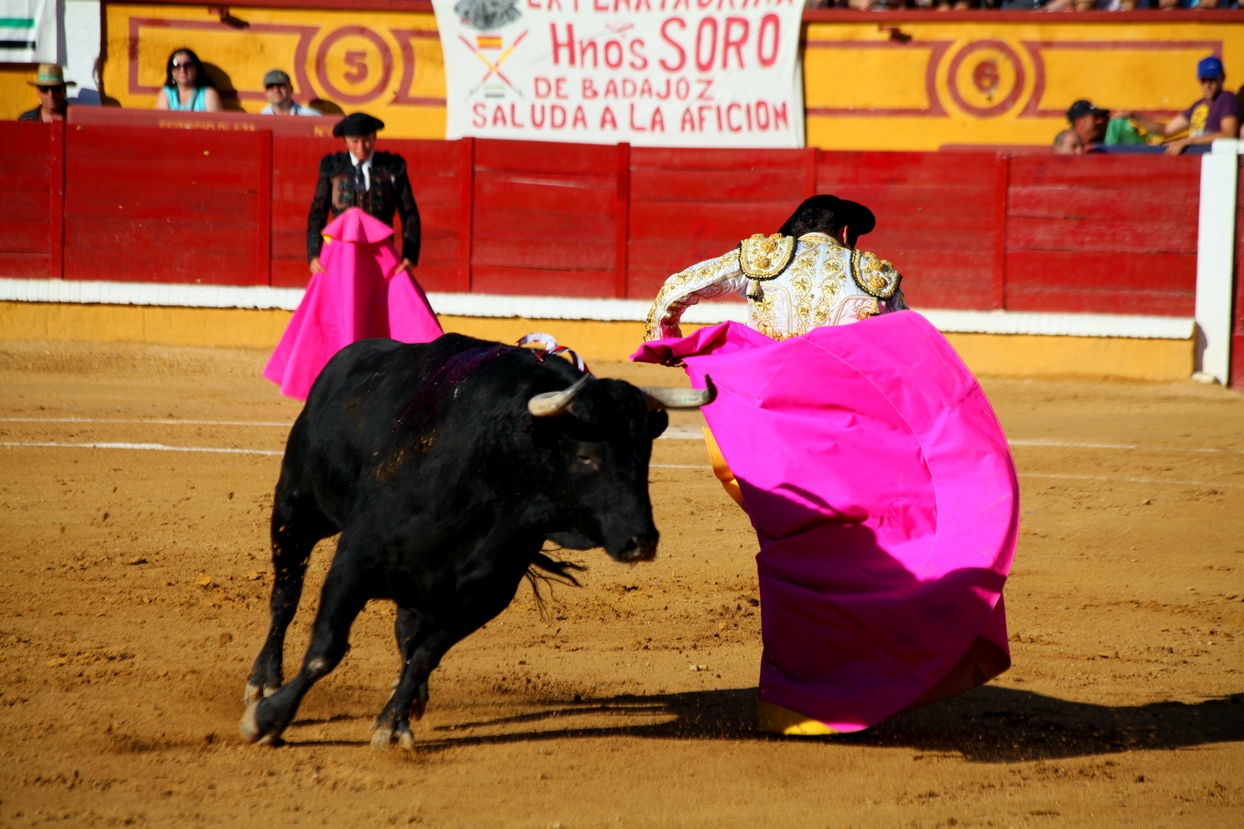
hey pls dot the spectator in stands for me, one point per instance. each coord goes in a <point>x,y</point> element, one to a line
<point>280,92</point>
<point>186,86</point>
<point>1068,142</point>
<point>1104,5</point>
<point>1199,5</point>
<point>1215,115</point>
<point>50,83</point>
<point>1088,122</point>
<point>1099,128</point>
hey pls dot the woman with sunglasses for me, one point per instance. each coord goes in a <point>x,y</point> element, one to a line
<point>186,86</point>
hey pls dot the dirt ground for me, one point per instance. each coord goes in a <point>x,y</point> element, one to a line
<point>135,584</point>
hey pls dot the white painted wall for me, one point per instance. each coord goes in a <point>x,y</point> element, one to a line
<point>81,31</point>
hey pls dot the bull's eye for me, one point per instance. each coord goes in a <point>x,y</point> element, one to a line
<point>588,462</point>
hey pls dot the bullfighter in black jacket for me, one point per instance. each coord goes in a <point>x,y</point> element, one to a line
<point>360,287</point>
<point>363,178</point>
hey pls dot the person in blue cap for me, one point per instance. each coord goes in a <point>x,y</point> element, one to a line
<point>1215,115</point>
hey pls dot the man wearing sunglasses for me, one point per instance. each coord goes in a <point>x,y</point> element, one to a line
<point>280,94</point>
<point>50,83</point>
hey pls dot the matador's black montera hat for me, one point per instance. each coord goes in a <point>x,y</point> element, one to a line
<point>357,123</point>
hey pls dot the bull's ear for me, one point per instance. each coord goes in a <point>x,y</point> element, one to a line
<point>657,422</point>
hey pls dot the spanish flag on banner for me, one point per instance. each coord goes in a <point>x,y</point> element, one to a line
<point>488,41</point>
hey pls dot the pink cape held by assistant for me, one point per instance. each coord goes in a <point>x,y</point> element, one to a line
<point>884,497</point>
<point>355,298</point>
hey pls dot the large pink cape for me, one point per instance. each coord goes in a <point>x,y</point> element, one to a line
<point>883,494</point>
<point>354,299</point>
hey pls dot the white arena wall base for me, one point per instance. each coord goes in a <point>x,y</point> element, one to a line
<point>991,342</point>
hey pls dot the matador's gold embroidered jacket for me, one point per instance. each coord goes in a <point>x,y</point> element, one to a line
<point>792,286</point>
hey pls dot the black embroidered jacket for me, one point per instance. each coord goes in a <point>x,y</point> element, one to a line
<point>389,193</point>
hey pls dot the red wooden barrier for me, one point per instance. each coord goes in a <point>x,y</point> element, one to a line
<point>544,219</point>
<point>690,205</point>
<point>1106,234</point>
<point>32,176</point>
<point>967,230</point>
<point>147,205</point>
<point>938,220</point>
<point>105,116</point>
<point>438,178</point>
<point>295,169</point>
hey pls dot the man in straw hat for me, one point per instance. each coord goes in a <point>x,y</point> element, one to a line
<point>870,463</point>
<point>50,82</point>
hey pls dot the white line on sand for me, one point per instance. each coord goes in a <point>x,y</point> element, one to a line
<point>1073,444</point>
<point>1115,479</point>
<point>153,447</point>
<point>672,433</point>
<point>161,447</point>
<point>284,424</point>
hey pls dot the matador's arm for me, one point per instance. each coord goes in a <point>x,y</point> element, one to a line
<point>317,218</point>
<point>710,278</point>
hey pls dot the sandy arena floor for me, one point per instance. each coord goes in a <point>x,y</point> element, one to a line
<point>135,584</point>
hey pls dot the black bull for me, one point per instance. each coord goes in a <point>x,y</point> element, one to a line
<point>445,467</point>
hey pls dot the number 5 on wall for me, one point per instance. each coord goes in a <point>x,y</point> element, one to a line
<point>357,63</point>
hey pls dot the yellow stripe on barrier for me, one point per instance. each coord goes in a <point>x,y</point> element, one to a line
<point>1003,355</point>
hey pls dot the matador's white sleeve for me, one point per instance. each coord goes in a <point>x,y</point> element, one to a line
<point>710,278</point>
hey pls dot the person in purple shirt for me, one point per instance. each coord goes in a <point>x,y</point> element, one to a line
<point>1215,115</point>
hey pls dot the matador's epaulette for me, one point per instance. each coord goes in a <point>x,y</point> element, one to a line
<point>876,277</point>
<point>762,258</point>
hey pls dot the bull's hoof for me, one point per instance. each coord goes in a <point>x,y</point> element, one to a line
<point>250,728</point>
<point>384,738</point>
<point>255,693</point>
<point>253,732</point>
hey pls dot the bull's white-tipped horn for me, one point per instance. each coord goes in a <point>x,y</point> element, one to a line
<point>554,403</point>
<point>666,397</point>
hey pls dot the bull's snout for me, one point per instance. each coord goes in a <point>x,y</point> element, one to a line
<point>638,548</point>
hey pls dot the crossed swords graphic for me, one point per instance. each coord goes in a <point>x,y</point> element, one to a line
<point>494,68</point>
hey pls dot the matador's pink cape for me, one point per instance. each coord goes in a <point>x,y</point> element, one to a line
<point>884,497</point>
<point>354,299</point>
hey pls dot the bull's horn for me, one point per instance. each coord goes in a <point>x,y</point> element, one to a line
<point>666,397</point>
<point>554,403</point>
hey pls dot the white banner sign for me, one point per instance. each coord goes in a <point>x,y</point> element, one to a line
<point>654,73</point>
<point>28,31</point>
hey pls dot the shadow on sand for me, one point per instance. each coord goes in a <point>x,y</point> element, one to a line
<point>988,725</point>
